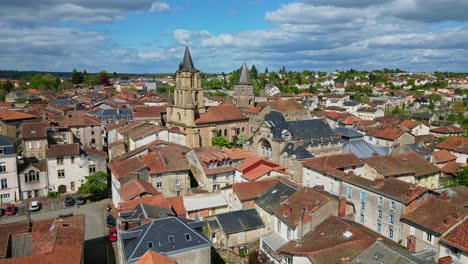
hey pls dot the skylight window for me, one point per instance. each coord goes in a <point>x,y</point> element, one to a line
<point>188,237</point>
<point>150,244</point>
<point>171,239</point>
<point>347,235</point>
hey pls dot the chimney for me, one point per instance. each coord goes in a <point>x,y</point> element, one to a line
<point>379,181</point>
<point>59,222</point>
<point>342,207</point>
<point>444,196</point>
<point>411,243</point>
<point>412,191</point>
<point>445,260</point>
<point>123,225</point>
<point>345,260</point>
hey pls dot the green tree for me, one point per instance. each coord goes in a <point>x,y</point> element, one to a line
<point>458,108</point>
<point>77,77</point>
<point>220,141</point>
<point>95,184</point>
<point>103,78</point>
<point>266,70</point>
<point>435,97</point>
<point>241,139</point>
<point>253,72</point>
<point>8,87</point>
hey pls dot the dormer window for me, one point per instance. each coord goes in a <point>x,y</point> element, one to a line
<point>171,239</point>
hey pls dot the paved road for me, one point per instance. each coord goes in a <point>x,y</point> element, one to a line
<point>97,247</point>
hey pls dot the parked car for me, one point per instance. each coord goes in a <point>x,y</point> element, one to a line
<point>69,201</point>
<point>2,211</point>
<point>35,206</point>
<point>80,200</point>
<point>113,234</point>
<point>110,220</point>
<point>11,209</point>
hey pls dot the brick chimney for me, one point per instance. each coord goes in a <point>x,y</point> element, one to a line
<point>123,225</point>
<point>411,243</point>
<point>412,191</point>
<point>444,196</point>
<point>445,260</point>
<point>58,222</point>
<point>379,181</point>
<point>342,207</point>
<point>345,260</point>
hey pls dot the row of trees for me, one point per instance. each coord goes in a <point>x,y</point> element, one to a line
<point>101,78</point>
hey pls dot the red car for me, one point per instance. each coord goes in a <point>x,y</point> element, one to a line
<point>112,234</point>
<point>11,209</point>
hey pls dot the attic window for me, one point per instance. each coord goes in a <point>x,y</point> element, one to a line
<point>171,239</point>
<point>188,237</point>
<point>347,235</point>
<point>150,244</point>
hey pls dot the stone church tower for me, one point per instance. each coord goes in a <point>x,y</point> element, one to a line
<point>243,96</point>
<point>186,103</point>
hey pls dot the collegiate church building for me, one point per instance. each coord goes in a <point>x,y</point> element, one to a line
<point>187,113</point>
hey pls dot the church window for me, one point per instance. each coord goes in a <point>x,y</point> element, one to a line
<point>225,132</point>
<point>192,80</point>
<point>178,117</point>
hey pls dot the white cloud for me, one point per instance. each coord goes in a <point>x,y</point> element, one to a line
<point>159,7</point>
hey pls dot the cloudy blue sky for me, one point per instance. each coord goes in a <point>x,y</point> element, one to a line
<point>148,36</point>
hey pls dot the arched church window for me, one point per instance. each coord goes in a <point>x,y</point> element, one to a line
<point>179,117</point>
<point>225,132</point>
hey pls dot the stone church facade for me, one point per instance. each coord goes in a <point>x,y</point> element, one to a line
<point>187,113</point>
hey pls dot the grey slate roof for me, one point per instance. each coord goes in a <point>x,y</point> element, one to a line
<point>239,221</point>
<point>379,252</point>
<point>351,103</point>
<point>305,130</point>
<point>166,236</point>
<point>271,198</point>
<point>347,133</point>
<point>114,114</point>
<point>187,63</point>
<point>423,116</point>
<point>143,211</point>
<point>300,152</point>
<point>245,76</point>
<point>8,146</point>
<point>364,149</point>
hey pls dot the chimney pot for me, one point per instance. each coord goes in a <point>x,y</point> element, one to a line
<point>445,260</point>
<point>411,243</point>
<point>342,207</point>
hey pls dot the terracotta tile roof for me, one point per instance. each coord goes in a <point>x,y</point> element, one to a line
<point>159,201</point>
<point>410,124</point>
<point>63,150</point>
<point>246,191</point>
<point>404,164</point>
<point>327,244</point>
<point>148,111</point>
<point>55,241</point>
<point>253,110</point>
<point>459,195</point>
<point>95,153</point>
<point>387,133</point>
<point>458,237</point>
<point>337,115</point>
<point>456,144</point>
<point>33,130</point>
<point>213,154</point>
<point>451,167</point>
<point>255,167</point>
<point>152,257</point>
<point>9,229</point>
<point>137,188</point>
<point>165,159</point>
<point>443,156</point>
<point>393,188</point>
<point>238,154</point>
<point>446,130</point>
<point>332,163</point>
<point>435,215</point>
<point>178,206</point>
<point>130,125</point>
<point>350,120</point>
<point>115,125</point>
<point>122,168</point>
<point>292,210</point>
<point>286,106</point>
<point>221,113</point>
<point>6,105</point>
<point>10,115</point>
<point>143,131</point>
<point>83,120</point>
<point>387,120</point>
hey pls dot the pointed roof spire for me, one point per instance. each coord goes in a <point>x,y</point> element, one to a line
<point>245,76</point>
<point>187,63</point>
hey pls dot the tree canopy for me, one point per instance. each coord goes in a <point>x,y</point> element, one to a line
<point>95,184</point>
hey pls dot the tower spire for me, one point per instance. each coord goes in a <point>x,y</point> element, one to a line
<point>187,63</point>
<point>245,76</point>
